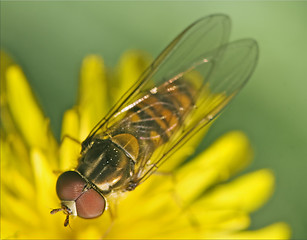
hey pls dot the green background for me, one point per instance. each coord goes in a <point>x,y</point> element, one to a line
<point>49,40</point>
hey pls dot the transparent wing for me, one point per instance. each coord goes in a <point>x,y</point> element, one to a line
<point>200,56</point>
<point>206,35</point>
<point>221,81</point>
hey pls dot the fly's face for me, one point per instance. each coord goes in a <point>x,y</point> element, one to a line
<point>77,197</point>
<point>183,90</point>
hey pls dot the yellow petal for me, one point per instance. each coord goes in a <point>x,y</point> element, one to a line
<point>185,151</point>
<point>91,232</point>
<point>15,183</point>
<point>26,113</point>
<point>274,231</point>
<point>226,156</point>
<point>221,220</point>
<point>14,155</point>
<point>246,193</point>
<point>8,229</point>
<point>70,149</point>
<point>44,181</point>
<point>132,64</point>
<point>147,206</point>
<point>70,124</point>
<point>18,210</point>
<point>188,226</point>
<point>93,94</point>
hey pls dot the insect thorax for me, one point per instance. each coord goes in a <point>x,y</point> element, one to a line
<point>106,165</point>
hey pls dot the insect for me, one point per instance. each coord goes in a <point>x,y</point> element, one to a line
<point>182,91</point>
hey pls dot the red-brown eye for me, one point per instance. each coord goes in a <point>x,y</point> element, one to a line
<point>70,186</point>
<point>90,204</point>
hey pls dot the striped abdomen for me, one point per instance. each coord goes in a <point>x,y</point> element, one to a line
<point>159,113</point>
<point>153,119</point>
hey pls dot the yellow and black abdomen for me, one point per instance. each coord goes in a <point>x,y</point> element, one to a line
<point>156,116</point>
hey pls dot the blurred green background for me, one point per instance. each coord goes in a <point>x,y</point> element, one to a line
<point>49,40</point>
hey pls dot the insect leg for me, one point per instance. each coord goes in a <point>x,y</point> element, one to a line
<point>71,138</point>
<point>113,218</point>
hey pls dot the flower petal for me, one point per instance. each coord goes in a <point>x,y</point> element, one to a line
<point>8,228</point>
<point>14,183</point>
<point>44,181</point>
<point>18,211</point>
<point>93,94</point>
<point>246,193</point>
<point>132,64</point>
<point>69,149</point>
<point>275,231</point>
<point>26,113</point>
<point>14,155</point>
<point>226,156</point>
<point>185,151</point>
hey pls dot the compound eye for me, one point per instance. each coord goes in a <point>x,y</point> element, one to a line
<point>90,204</point>
<point>70,186</point>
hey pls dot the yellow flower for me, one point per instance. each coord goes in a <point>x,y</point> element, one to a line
<point>195,202</point>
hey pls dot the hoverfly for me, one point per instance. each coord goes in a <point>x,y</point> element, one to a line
<point>158,114</point>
